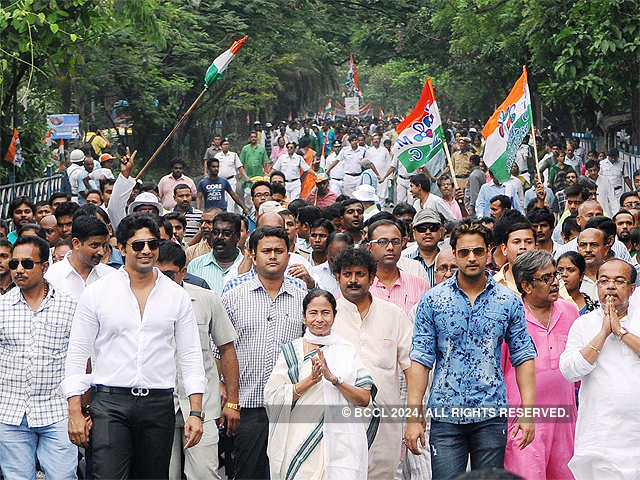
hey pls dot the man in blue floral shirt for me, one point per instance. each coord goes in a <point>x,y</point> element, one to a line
<point>462,323</point>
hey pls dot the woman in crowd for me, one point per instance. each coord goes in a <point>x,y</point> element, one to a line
<point>571,267</point>
<point>313,379</point>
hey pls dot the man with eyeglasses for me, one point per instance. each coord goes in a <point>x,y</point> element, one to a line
<point>260,193</point>
<point>602,353</point>
<point>225,257</point>
<point>135,323</point>
<point>462,322</point>
<point>390,282</point>
<point>36,321</point>
<point>446,266</point>
<point>427,232</point>
<point>549,319</point>
<point>201,461</point>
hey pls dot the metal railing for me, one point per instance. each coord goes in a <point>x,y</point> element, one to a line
<point>37,190</point>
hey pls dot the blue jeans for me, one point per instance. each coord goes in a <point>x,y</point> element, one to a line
<point>451,444</point>
<point>20,445</point>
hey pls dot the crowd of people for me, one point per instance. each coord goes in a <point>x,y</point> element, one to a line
<point>233,324</point>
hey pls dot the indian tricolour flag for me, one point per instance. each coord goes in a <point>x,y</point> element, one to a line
<point>506,128</point>
<point>220,64</point>
<point>420,135</point>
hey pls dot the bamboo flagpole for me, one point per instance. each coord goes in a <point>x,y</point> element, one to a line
<point>450,162</point>
<point>535,150</point>
<point>216,71</point>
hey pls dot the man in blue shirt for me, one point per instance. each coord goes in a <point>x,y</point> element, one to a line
<point>490,190</point>
<point>212,189</point>
<point>462,322</point>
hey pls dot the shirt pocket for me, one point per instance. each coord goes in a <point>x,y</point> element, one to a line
<point>54,337</point>
<point>205,339</point>
<point>384,353</point>
<point>557,346</point>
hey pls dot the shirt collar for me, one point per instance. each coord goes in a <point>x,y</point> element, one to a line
<point>211,259</point>
<point>175,209</point>
<point>398,282</point>
<point>255,284</point>
<point>15,296</point>
<point>489,284</point>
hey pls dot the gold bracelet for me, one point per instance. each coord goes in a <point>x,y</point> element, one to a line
<point>593,348</point>
<point>233,406</point>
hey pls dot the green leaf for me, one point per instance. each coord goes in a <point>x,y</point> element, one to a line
<point>73,37</point>
<point>54,28</point>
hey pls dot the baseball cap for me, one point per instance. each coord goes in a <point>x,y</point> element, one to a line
<point>426,215</point>
<point>336,143</point>
<point>105,157</point>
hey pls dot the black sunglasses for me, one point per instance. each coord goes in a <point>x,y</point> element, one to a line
<point>27,264</point>
<point>432,227</point>
<point>138,245</point>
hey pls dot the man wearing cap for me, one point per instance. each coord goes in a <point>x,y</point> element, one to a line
<point>461,161</point>
<point>612,168</point>
<point>170,181</point>
<point>76,169</point>
<point>336,175</point>
<point>351,160</point>
<point>102,172</point>
<point>322,196</point>
<point>427,231</point>
<point>290,164</point>
<point>367,196</point>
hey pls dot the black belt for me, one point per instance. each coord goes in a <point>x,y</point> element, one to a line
<point>292,180</point>
<point>462,176</point>
<point>617,188</point>
<point>133,391</point>
<point>406,178</point>
<point>337,179</point>
<point>353,174</point>
<point>229,178</point>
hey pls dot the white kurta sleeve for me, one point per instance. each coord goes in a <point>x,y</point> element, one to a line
<point>573,365</point>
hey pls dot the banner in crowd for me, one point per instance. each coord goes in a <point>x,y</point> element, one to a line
<point>506,128</point>
<point>14,154</point>
<point>420,135</point>
<point>64,125</point>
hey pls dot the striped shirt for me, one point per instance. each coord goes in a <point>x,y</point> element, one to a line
<point>194,219</point>
<point>414,254</point>
<point>405,292</point>
<point>263,326</point>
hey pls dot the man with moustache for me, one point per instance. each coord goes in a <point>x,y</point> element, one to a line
<point>204,243</point>
<point>381,333</point>
<point>82,266</point>
<point>352,213</point>
<point>625,222</point>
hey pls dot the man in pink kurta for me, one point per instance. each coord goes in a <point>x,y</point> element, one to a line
<point>549,453</point>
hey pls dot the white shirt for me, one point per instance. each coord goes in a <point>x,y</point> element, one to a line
<point>229,164</point>
<point>337,172</point>
<point>606,196</point>
<point>613,171</point>
<point>131,351</point>
<point>98,173</point>
<point>325,278</point>
<point>436,203</point>
<point>608,426</point>
<point>64,277</point>
<point>290,165</point>
<point>351,159</point>
<point>380,157</point>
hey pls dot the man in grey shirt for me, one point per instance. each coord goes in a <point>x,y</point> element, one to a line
<point>477,178</point>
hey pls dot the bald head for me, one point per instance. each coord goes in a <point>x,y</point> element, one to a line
<point>270,219</point>
<point>445,265</point>
<point>588,209</point>
<point>50,226</point>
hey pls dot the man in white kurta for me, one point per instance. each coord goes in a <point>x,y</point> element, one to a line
<point>382,338</point>
<point>603,351</point>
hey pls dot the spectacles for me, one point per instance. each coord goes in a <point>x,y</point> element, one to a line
<point>261,195</point>
<point>383,242</point>
<point>447,268</point>
<point>27,263</point>
<point>138,245</point>
<point>432,227</point>
<point>602,281</point>
<point>477,251</point>
<point>225,233</point>
<point>631,204</point>
<point>547,278</point>
<point>170,273</point>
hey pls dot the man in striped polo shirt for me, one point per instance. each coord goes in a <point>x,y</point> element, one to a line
<point>183,197</point>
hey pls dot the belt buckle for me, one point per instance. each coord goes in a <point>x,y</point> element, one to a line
<point>139,391</point>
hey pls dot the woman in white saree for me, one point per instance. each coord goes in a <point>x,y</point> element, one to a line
<point>316,380</point>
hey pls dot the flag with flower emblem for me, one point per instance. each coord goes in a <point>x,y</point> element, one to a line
<point>506,128</point>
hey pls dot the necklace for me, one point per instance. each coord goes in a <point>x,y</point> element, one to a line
<point>46,290</point>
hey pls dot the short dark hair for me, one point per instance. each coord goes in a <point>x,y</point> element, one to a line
<point>104,182</point>
<point>92,210</point>
<point>176,216</point>
<point>569,225</point>
<point>403,208</point>
<point>577,189</point>
<point>278,188</point>
<point>346,203</point>
<point>339,237</point>
<point>296,204</point>
<point>165,224</point>
<point>32,226</point>
<point>16,202</point>
<point>134,222</point>
<point>475,160</point>
<point>260,183</point>
<point>422,181</point>
<point>55,195</point>
<point>514,227</point>
<point>177,162</point>
<point>63,242</point>
<point>181,186</point>
<point>42,203</point>
<point>262,232</point>
<point>211,161</point>
<point>308,214</point>
<point>541,214</point>
<point>232,218</point>
<point>66,209</point>
<point>604,224</point>
<point>505,202</point>
<point>275,173</point>
<point>355,257</point>
<point>41,244</point>
<point>623,212</point>
<point>323,223</point>
<point>6,244</point>
<point>576,259</point>
<point>85,226</point>
<point>171,252</point>
<point>626,195</point>
<point>382,223</point>
<point>591,164</point>
<point>331,212</point>
<point>470,227</point>
<point>93,190</point>
<point>315,293</point>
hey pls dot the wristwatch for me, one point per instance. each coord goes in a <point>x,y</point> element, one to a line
<point>339,380</point>
<point>195,413</point>
<point>623,332</point>
<point>233,406</point>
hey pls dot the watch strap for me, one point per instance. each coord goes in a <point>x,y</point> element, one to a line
<point>233,406</point>
<point>196,413</point>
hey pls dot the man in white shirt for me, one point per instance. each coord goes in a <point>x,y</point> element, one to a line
<point>351,160</point>
<point>336,175</point>
<point>230,168</point>
<point>290,164</point>
<point>379,156</point>
<point>613,169</point>
<point>82,266</point>
<point>605,193</point>
<point>134,323</point>
<point>608,429</point>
